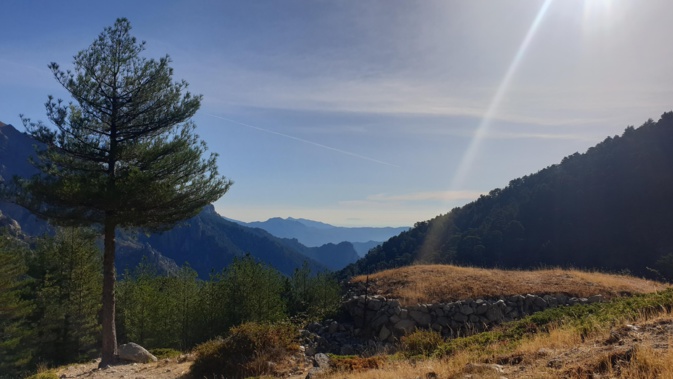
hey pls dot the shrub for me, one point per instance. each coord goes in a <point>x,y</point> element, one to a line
<point>163,353</point>
<point>245,352</point>
<point>421,342</point>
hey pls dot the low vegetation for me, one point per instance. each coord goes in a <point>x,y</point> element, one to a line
<point>627,338</point>
<point>353,364</point>
<point>446,283</point>
<point>165,353</point>
<point>50,302</point>
<point>250,349</point>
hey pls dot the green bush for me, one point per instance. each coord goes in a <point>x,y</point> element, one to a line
<point>421,342</point>
<point>163,353</point>
<point>245,352</point>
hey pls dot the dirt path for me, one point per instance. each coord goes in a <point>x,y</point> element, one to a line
<point>163,369</point>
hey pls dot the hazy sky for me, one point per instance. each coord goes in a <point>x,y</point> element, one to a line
<point>372,112</point>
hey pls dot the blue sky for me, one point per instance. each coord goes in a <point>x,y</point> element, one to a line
<point>372,113</point>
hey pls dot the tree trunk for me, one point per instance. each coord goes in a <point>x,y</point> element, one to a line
<point>109,351</point>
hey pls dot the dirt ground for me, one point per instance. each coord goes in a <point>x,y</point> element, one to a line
<point>163,369</point>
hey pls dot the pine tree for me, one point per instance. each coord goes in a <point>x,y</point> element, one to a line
<point>185,288</point>
<point>15,335</point>
<point>254,292</point>
<point>123,154</point>
<point>137,296</point>
<point>314,296</point>
<point>66,269</point>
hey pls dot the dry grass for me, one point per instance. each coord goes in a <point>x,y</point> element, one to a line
<point>403,369</point>
<point>445,283</point>
<point>557,339</point>
<point>650,364</point>
<point>639,353</point>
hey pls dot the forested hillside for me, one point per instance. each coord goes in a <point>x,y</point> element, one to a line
<point>609,208</point>
<point>209,242</point>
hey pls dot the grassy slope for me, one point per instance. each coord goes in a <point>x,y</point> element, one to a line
<point>445,283</point>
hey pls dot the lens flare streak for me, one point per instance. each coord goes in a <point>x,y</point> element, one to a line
<point>470,154</point>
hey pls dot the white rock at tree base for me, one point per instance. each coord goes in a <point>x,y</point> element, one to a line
<point>135,353</point>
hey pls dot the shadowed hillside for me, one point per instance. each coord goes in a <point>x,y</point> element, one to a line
<point>609,208</point>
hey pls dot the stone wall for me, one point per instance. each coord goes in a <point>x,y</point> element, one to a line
<point>384,320</point>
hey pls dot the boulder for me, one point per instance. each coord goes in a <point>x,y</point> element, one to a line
<point>405,326</point>
<point>481,308</point>
<point>466,309</point>
<point>382,319</point>
<point>135,353</point>
<point>322,361</point>
<point>494,314</point>
<point>315,372</point>
<point>375,304</point>
<point>384,333</point>
<point>422,318</point>
<point>540,303</point>
<point>459,317</point>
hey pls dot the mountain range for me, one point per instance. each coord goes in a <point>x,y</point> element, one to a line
<point>207,242</point>
<point>314,233</point>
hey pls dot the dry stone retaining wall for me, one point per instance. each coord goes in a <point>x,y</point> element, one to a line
<point>385,320</point>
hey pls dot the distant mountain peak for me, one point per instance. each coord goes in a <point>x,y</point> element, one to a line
<point>311,223</point>
<point>315,233</point>
<point>8,130</point>
<point>210,208</point>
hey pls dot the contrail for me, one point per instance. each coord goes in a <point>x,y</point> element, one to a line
<point>304,141</point>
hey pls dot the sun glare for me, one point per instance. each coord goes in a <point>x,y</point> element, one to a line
<point>599,15</point>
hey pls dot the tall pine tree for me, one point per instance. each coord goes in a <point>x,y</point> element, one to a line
<point>66,269</point>
<point>16,348</point>
<point>123,154</point>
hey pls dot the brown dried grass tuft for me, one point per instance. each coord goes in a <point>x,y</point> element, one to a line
<point>648,363</point>
<point>445,283</point>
